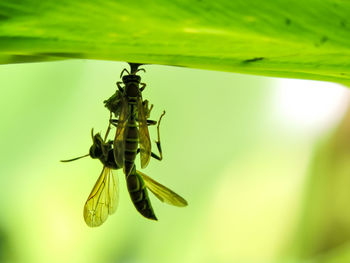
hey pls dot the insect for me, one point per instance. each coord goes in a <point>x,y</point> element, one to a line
<point>132,134</point>
<point>103,199</point>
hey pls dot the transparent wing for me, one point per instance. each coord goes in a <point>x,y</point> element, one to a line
<point>145,142</point>
<point>103,199</point>
<point>119,141</point>
<point>163,193</point>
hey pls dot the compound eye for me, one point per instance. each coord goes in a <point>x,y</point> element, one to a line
<point>95,152</point>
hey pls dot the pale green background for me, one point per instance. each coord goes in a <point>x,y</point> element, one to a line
<point>241,170</point>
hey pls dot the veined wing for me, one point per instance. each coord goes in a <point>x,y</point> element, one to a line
<point>163,193</point>
<point>103,199</point>
<point>145,142</point>
<point>119,141</point>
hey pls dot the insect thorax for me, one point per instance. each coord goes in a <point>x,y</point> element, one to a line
<point>131,83</point>
<point>131,78</point>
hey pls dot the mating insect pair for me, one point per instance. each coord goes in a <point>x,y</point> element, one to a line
<point>126,105</point>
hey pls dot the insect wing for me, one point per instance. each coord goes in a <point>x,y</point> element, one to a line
<point>113,103</point>
<point>103,199</point>
<point>145,142</point>
<point>119,141</point>
<point>163,193</point>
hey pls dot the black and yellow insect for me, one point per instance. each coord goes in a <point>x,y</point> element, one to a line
<point>103,199</point>
<point>132,134</point>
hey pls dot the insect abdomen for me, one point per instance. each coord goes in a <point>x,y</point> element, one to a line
<point>139,195</point>
<point>131,145</point>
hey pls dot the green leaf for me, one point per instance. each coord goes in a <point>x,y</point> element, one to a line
<point>283,38</point>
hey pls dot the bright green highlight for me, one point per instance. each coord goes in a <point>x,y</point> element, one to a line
<point>283,38</point>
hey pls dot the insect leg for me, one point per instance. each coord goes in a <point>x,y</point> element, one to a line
<point>124,70</point>
<point>151,122</point>
<point>134,68</point>
<point>121,89</point>
<point>158,141</point>
<point>109,126</point>
<point>143,86</point>
<point>114,122</point>
<point>155,156</point>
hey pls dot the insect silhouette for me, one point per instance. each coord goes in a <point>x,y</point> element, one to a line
<point>103,199</point>
<point>132,123</point>
<point>132,136</point>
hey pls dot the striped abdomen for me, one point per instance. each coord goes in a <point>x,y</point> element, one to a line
<point>139,195</point>
<point>131,146</point>
<point>131,138</point>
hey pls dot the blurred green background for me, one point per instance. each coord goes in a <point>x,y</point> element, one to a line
<point>263,163</point>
